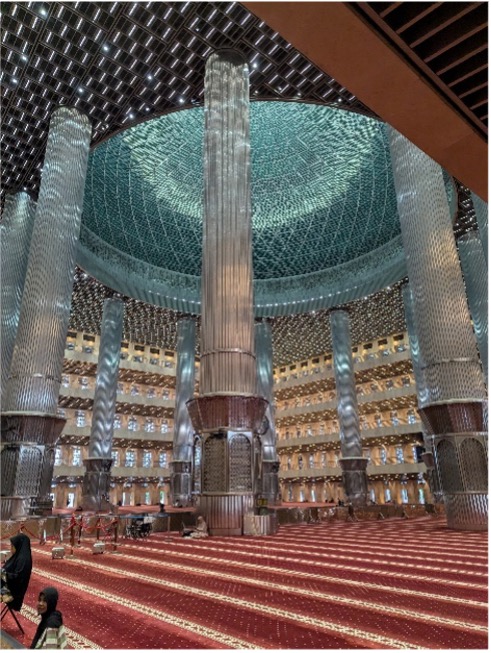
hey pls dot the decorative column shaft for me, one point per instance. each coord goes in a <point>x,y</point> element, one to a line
<point>269,487</point>
<point>475,272</point>
<point>183,428</point>
<point>95,489</point>
<point>454,409</point>
<point>352,462</point>
<point>15,234</point>
<point>430,455</point>
<point>481,209</point>
<point>34,380</point>
<point>228,411</point>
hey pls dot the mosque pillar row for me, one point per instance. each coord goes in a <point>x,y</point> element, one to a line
<point>475,271</point>
<point>451,392</point>
<point>352,462</point>
<point>30,425</point>
<point>183,429</point>
<point>268,482</point>
<point>97,478</point>
<point>15,232</point>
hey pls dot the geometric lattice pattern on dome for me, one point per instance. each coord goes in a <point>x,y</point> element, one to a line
<point>322,191</point>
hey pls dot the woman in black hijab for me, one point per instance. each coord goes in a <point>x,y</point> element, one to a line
<point>50,633</point>
<point>17,569</point>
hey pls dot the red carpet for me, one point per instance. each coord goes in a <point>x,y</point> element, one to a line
<point>379,585</point>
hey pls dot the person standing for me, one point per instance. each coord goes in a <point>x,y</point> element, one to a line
<point>16,571</point>
<point>50,633</point>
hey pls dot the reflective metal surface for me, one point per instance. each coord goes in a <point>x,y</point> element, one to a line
<point>228,363</point>
<point>475,271</point>
<point>453,406</point>
<point>183,429</point>
<point>481,210</point>
<point>15,237</point>
<point>35,373</point>
<point>352,463</point>
<point>269,486</point>
<point>95,491</point>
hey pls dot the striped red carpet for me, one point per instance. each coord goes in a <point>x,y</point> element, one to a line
<point>381,585</point>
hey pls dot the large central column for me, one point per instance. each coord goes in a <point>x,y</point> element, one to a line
<point>95,491</point>
<point>30,425</point>
<point>15,234</point>
<point>228,411</point>
<point>352,462</point>
<point>454,408</point>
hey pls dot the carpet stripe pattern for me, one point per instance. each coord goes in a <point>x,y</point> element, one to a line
<point>411,584</point>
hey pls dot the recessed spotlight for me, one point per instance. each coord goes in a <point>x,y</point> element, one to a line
<point>43,11</point>
<point>23,57</point>
<point>80,89</point>
<point>15,80</point>
<point>150,77</point>
<point>181,100</point>
<point>105,48</point>
<point>132,115</point>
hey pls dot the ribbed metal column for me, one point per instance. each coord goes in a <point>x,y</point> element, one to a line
<point>183,428</point>
<point>95,488</point>
<point>29,422</point>
<point>268,487</point>
<point>455,410</point>
<point>228,410</point>
<point>481,209</point>
<point>352,462</point>
<point>475,272</point>
<point>15,234</point>
<point>430,454</point>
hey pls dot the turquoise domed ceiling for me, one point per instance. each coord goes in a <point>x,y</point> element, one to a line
<point>324,212</point>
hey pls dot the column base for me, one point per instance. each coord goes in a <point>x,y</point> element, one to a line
<point>467,511</point>
<point>224,513</point>
<point>96,483</point>
<point>181,484</point>
<point>270,483</point>
<point>355,479</point>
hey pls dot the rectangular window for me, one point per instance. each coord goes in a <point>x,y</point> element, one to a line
<point>399,455</point>
<point>132,424</point>
<point>421,495</point>
<point>130,458</point>
<point>76,456</point>
<point>404,496</point>
<point>387,495</point>
<point>147,459</point>
<point>115,457</point>
<point>163,459</point>
<point>147,498</point>
<point>58,456</point>
<point>80,419</point>
<point>149,426</point>
<point>383,455</point>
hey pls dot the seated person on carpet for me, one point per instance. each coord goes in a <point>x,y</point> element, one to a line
<point>200,530</point>
<point>50,633</point>
<point>16,572</point>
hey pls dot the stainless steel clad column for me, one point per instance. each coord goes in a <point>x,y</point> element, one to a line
<point>455,409</point>
<point>481,209</point>
<point>268,487</point>
<point>15,234</point>
<point>352,463</point>
<point>476,282</point>
<point>95,488</point>
<point>228,411</point>
<point>183,429</point>
<point>30,426</point>
<point>422,392</point>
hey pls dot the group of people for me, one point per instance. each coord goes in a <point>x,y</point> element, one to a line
<point>15,577</point>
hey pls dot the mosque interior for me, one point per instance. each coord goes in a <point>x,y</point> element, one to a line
<point>326,239</point>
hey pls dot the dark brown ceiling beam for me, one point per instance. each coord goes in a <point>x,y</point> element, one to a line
<point>457,41</point>
<point>335,38</point>
<point>444,24</point>
<point>462,78</point>
<point>390,8</point>
<point>473,90</point>
<point>420,16</point>
<point>456,62</point>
